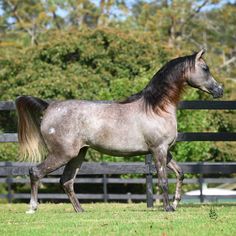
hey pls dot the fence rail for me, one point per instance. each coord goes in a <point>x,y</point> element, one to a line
<point>182,136</point>
<point>17,173</point>
<point>190,105</point>
<point>119,168</point>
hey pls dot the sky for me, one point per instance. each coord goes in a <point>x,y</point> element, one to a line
<point>129,4</point>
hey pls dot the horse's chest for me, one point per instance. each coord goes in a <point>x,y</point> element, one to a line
<point>161,130</point>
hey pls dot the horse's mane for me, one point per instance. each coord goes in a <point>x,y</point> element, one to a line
<point>166,85</point>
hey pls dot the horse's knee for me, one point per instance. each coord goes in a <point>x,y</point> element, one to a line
<point>34,174</point>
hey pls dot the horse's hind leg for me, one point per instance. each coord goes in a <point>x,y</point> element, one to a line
<point>172,165</point>
<point>51,163</point>
<point>68,177</point>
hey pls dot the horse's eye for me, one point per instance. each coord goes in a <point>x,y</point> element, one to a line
<point>205,68</point>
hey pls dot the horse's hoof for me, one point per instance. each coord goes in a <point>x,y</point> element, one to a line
<point>30,211</point>
<point>169,209</point>
<point>79,210</point>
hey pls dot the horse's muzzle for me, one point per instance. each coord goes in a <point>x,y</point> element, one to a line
<point>218,91</point>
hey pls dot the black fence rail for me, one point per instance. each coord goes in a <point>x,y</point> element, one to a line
<point>17,173</point>
<point>184,105</point>
<point>11,173</point>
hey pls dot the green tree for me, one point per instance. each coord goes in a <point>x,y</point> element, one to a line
<point>172,21</point>
<point>51,8</point>
<point>105,10</point>
<point>28,16</point>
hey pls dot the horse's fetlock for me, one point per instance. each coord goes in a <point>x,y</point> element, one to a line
<point>177,198</point>
<point>181,176</point>
<point>33,204</point>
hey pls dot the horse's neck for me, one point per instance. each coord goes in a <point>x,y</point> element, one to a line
<point>169,111</point>
<point>172,94</point>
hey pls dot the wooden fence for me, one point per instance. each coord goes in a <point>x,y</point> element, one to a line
<point>10,172</point>
<point>17,173</point>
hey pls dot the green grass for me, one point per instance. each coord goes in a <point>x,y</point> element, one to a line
<point>118,219</point>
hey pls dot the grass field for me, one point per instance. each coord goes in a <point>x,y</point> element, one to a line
<point>118,219</point>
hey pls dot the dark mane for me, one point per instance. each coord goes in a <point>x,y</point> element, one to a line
<point>166,85</point>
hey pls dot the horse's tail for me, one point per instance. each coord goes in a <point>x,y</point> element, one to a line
<point>32,145</point>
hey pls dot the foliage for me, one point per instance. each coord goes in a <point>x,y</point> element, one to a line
<point>89,64</point>
<point>9,151</point>
<point>212,214</point>
<point>118,219</point>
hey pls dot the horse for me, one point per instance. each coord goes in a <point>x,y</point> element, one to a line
<point>60,132</point>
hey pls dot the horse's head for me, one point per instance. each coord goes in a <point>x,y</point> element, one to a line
<point>201,78</point>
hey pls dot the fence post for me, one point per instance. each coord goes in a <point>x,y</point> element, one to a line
<point>9,182</point>
<point>129,198</point>
<point>105,196</point>
<point>149,181</point>
<point>201,182</point>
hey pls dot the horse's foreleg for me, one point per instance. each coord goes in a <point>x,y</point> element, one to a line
<point>69,174</point>
<point>38,172</point>
<point>160,159</point>
<point>172,165</point>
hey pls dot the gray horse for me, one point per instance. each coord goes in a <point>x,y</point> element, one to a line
<point>61,132</point>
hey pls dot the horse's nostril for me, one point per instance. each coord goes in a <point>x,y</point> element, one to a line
<point>221,88</point>
<point>218,92</point>
<point>222,92</point>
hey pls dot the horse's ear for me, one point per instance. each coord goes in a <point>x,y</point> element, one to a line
<point>200,54</point>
